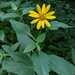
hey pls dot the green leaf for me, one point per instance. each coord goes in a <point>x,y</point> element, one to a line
<point>21,65</point>
<point>21,28</point>
<point>38,47</point>
<point>1,57</point>
<point>9,49</point>
<point>26,10</point>
<point>61,66</point>
<point>2,35</point>
<point>13,5</point>
<point>73,55</point>
<point>55,25</point>
<point>41,38</point>
<point>30,47</point>
<point>1,14</point>
<point>41,63</point>
<point>0,72</point>
<point>18,68</point>
<point>10,15</point>
<point>15,46</point>
<point>24,40</point>
<point>21,57</point>
<point>6,48</point>
<point>4,4</point>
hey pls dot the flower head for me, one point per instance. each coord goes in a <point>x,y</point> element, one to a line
<point>42,16</point>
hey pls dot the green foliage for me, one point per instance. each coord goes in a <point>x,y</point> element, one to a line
<point>40,38</point>
<point>30,47</point>
<point>23,64</point>
<point>26,10</point>
<point>55,25</point>
<point>10,15</point>
<point>4,4</point>
<point>21,28</point>
<point>2,35</point>
<point>24,50</point>
<point>14,7</point>
<point>73,55</point>
<point>23,42</point>
<point>61,66</point>
<point>41,64</point>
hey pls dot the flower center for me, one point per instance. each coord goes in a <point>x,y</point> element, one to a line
<point>41,16</point>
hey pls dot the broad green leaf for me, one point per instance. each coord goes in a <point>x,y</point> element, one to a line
<point>73,55</point>
<point>55,25</point>
<point>24,40</point>
<point>26,10</point>
<point>21,64</point>
<point>41,64</point>
<point>4,4</point>
<point>18,68</point>
<point>15,46</point>
<point>6,48</point>
<point>40,38</point>
<point>1,14</point>
<point>10,15</point>
<point>21,28</point>
<point>13,5</point>
<point>30,47</point>
<point>21,57</point>
<point>61,66</point>
<point>2,35</point>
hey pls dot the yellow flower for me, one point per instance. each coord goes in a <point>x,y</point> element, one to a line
<point>42,16</point>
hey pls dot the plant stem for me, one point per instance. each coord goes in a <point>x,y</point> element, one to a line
<point>20,16</point>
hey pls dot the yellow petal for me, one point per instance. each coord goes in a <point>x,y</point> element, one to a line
<point>43,8</point>
<point>50,17</point>
<point>33,12</point>
<point>47,23</point>
<point>38,25</point>
<point>34,15</point>
<point>50,13</point>
<point>38,8</point>
<point>47,9</point>
<point>42,24</point>
<point>34,21</point>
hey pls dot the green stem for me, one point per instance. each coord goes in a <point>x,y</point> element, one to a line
<point>40,31</point>
<point>20,16</point>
